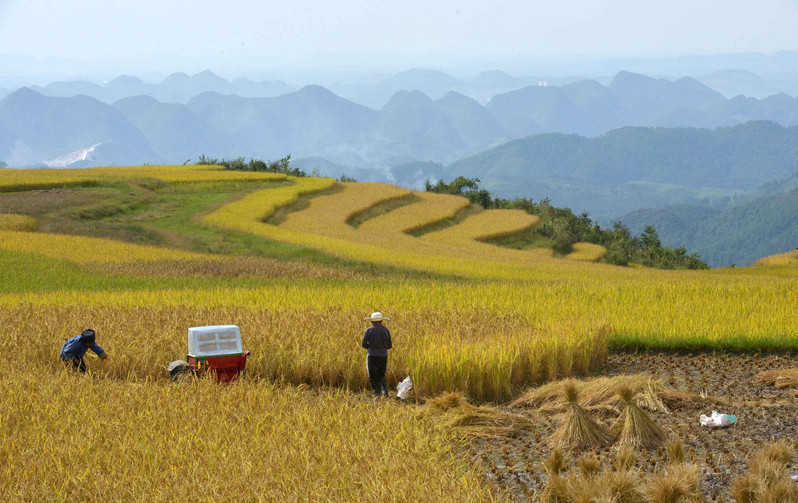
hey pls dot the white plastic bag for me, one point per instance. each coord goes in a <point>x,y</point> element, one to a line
<point>717,420</point>
<point>403,388</point>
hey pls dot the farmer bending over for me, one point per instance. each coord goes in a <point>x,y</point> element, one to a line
<point>377,340</point>
<point>73,350</point>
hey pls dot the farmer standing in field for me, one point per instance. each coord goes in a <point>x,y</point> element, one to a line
<point>73,350</point>
<point>377,340</point>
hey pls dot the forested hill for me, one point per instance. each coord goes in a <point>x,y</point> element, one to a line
<point>739,234</point>
<point>740,157</point>
<point>633,167</point>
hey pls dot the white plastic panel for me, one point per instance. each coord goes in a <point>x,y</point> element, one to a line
<point>214,340</point>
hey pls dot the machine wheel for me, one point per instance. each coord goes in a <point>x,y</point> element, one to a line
<point>180,371</point>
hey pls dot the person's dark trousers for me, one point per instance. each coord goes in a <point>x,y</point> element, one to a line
<point>75,363</point>
<point>377,366</point>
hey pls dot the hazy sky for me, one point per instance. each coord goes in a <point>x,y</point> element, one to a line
<point>425,29</point>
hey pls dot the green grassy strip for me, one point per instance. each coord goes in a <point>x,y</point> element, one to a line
<point>525,240</point>
<point>741,343</point>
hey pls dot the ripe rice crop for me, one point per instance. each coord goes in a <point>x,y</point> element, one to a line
<point>643,308</point>
<point>489,224</point>
<point>249,213</point>
<point>451,351</point>
<point>11,222</point>
<point>465,257</point>
<point>503,320</point>
<point>587,252</point>
<point>783,259</point>
<point>86,250</point>
<point>69,437</point>
<point>431,208</point>
<point>26,179</point>
<point>327,215</point>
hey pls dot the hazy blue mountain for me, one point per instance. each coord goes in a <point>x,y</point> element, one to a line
<point>411,127</point>
<point>180,87</point>
<point>7,139</point>
<point>247,88</point>
<point>173,131</point>
<point>474,124</point>
<point>322,122</point>
<point>515,110</point>
<point>631,168</point>
<point>588,108</point>
<point>415,174</point>
<point>488,84</point>
<point>738,82</point>
<point>648,99</point>
<point>324,167</point>
<point>585,108</point>
<point>309,122</point>
<point>497,79</point>
<point>433,83</point>
<point>779,108</point>
<point>53,130</point>
<point>176,88</point>
<point>604,108</point>
<point>126,86</point>
<point>410,123</point>
<point>71,88</point>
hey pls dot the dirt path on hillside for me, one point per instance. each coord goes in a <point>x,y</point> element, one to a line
<point>764,413</point>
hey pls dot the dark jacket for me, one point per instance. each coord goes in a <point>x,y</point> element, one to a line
<point>377,340</point>
<point>76,347</point>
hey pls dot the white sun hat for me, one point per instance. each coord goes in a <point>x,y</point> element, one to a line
<point>377,317</point>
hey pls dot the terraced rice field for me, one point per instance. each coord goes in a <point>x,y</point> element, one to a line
<point>297,263</point>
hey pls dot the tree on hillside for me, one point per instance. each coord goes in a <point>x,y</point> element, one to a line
<point>240,164</point>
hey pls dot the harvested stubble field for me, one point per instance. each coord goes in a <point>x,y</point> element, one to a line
<point>141,254</point>
<point>691,384</point>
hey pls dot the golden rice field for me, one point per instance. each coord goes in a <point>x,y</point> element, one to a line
<point>587,252</point>
<point>74,438</point>
<point>87,250</point>
<point>430,209</point>
<point>466,316</point>
<point>26,179</point>
<point>322,226</point>
<point>783,259</point>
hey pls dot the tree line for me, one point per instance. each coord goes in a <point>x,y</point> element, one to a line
<point>241,164</point>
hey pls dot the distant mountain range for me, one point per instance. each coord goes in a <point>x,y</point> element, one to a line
<point>315,122</point>
<point>176,88</point>
<point>36,130</point>
<point>631,168</point>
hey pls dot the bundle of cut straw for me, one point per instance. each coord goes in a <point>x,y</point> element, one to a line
<point>634,426</point>
<point>578,431</point>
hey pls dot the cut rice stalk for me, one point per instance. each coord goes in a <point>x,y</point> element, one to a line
<point>578,431</point>
<point>634,426</point>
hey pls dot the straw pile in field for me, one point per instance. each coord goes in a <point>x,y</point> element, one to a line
<point>578,430</point>
<point>478,421</point>
<point>634,426</point>
<point>769,478</point>
<point>784,378</point>
<point>598,394</point>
